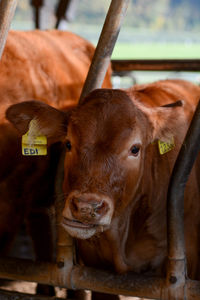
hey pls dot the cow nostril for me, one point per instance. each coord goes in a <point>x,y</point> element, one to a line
<point>90,208</point>
<point>100,208</point>
<point>85,209</point>
<point>80,207</point>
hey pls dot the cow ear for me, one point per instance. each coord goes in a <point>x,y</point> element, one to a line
<point>166,121</point>
<point>48,121</point>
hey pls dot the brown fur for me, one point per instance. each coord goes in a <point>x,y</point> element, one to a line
<point>115,199</point>
<point>46,65</point>
<point>50,66</point>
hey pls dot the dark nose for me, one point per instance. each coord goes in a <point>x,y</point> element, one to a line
<point>87,209</point>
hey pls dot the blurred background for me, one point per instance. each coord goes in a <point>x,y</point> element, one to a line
<point>153,29</point>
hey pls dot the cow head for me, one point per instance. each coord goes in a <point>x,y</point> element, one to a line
<point>106,138</point>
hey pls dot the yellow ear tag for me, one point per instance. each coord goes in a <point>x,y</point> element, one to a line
<point>165,147</point>
<point>34,144</point>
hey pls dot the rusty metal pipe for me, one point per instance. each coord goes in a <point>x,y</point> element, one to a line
<point>61,10</point>
<point>81,278</point>
<point>176,271</point>
<point>190,65</point>
<point>37,4</point>
<point>36,12</point>
<point>64,243</point>
<point>87,278</point>
<point>105,46</point>
<point>7,10</point>
<point>180,174</point>
<point>28,270</point>
<point>128,284</point>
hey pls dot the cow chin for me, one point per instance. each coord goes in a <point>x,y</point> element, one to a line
<point>83,232</point>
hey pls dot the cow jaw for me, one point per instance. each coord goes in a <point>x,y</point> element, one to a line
<point>80,230</point>
<point>86,214</point>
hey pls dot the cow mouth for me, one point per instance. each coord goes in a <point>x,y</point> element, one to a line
<point>77,224</point>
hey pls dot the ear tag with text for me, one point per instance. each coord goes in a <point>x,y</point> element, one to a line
<point>34,144</point>
<point>165,147</point>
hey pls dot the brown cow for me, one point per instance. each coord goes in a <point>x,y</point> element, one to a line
<point>50,66</point>
<point>116,180</point>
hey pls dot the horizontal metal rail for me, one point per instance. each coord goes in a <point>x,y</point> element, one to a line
<point>87,278</point>
<point>192,65</point>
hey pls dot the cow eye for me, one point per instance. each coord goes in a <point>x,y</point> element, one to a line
<point>68,145</point>
<point>135,150</point>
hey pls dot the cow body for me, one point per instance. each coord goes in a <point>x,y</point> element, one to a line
<point>46,65</point>
<point>50,66</point>
<point>131,188</point>
<point>116,180</point>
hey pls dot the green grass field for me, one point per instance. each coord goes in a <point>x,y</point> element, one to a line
<point>156,50</point>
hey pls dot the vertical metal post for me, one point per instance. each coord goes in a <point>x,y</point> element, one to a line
<point>176,244</point>
<point>7,10</point>
<point>63,6</point>
<point>64,257</point>
<point>105,46</point>
<point>37,4</point>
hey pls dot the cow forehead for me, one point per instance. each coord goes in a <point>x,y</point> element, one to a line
<point>104,120</point>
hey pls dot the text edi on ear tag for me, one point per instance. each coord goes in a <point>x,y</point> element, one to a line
<point>33,143</point>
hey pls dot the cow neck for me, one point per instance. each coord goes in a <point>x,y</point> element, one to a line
<point>136,240</point>
<point>139,233</point>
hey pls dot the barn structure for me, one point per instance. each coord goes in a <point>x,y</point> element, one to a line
<point>65,273</point>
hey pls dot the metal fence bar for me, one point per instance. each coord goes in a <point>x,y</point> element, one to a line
<point>81,278</point>
<point>7,10</point>
<point>64,243</point>
<point>128,284</point>
<point>88,278</point>
<point>37,4</point>
<point>180,174</point>
<point>156,65</point>
<point>105,46</point>
<point>175,206</point>
<point>61,11</point>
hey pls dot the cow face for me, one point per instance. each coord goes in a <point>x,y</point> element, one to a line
<point>106,138</point>
<point>103,164</point>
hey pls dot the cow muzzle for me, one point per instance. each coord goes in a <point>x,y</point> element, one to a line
<point>86,214</point>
